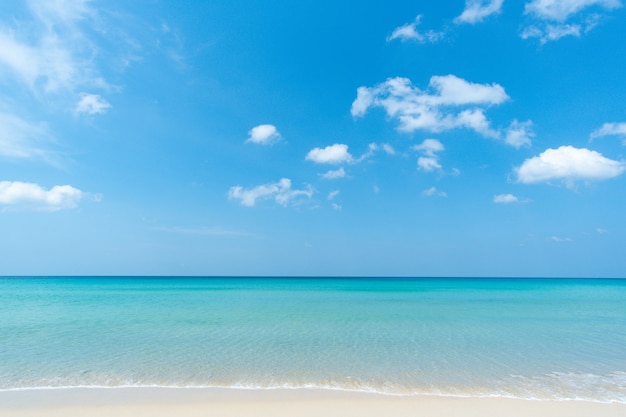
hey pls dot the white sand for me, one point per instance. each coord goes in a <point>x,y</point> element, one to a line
<point>192,402</point>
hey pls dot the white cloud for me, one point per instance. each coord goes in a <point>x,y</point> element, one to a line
<point>428,164</point>
<point>338,154</point>
<point>430,148</point>
<point>477,10</point>
<point>53,12</point>
<point>551,32</point>
<point>334,174</point>
<point>332,154</point>
<point>388,149</point>
<point>410,32</point>
<point>280,191</point>
<point>92,104</point>
<point>333,194</point>
<point>505,199</point>
<point>51,53</point>
<point>554,17</point>
<point>569,164</point>
<point>263,135</point>
<point>610,129</point>
<point>432,110</point>
<point>16,194</point>
<point>476,120</point>
<point>559,239</point>
<point>20,138</point>
<point>201,231</point>
<point>372,148</point>
<point>456,91</point>
<point>561,10</point>
<point>519,134</point>
<point>432,191</point>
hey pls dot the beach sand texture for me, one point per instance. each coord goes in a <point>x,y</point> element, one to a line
<point>196,402</point>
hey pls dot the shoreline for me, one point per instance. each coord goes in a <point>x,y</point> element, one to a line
<point>303,388</point>
<point>278,402</point>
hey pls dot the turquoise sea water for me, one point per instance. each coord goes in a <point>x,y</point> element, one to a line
<point>562,339</point>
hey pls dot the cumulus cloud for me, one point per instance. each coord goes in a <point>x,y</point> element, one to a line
<point>442,107</point>
<point>430,147</point>
<point>333,194</point>
<point>610,129</point>
<point>409,32</point>
<point>16,194</point>
<point>505,199</point>
<point>477,10</point>
<point>556,19</point>
<point>430,161</point>
<point>332,154</point>
<point>569,164</point>
<point>519,134</point>
<point>280,191</point>
<point>92,104</point>
<point>263,135</point>
<point>334,174</point>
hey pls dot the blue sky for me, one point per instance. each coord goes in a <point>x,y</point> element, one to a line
<point>395,138</point>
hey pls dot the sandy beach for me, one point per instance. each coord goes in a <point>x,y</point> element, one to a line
<point>195,402</point>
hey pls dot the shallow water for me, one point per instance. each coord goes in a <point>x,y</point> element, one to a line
<point>474,337</point>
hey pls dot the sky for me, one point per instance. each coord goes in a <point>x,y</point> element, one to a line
<point>301,138</point>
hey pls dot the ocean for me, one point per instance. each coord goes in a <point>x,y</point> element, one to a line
<point>523,338</point>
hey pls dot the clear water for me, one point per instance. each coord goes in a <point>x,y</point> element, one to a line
<point>563,339</point>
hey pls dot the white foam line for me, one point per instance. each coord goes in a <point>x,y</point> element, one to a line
<point>309,387</point>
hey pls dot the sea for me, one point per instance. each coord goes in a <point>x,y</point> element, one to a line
<point>561,339</point>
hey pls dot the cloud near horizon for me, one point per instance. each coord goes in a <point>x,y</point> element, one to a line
<point>25,195</point>
<point>569,164</point>
<point>450,102</point>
